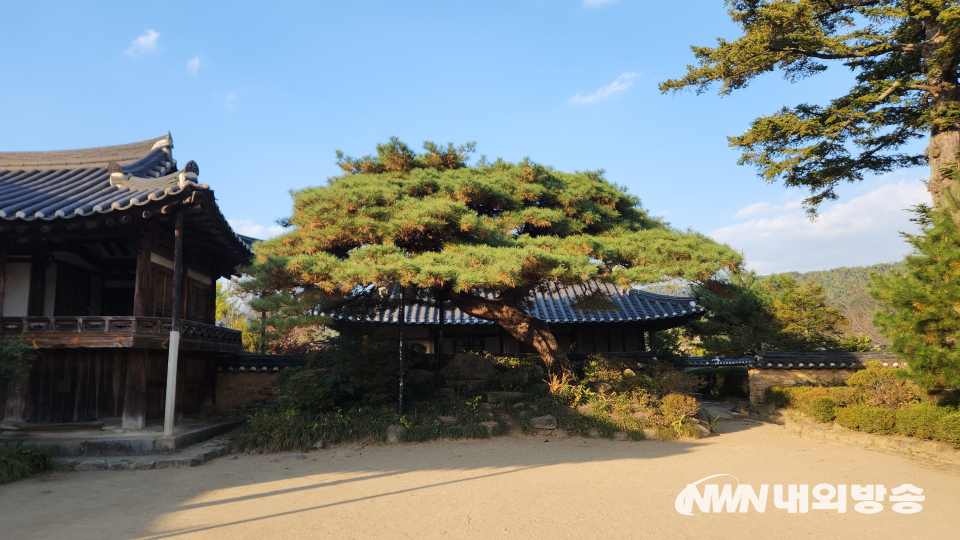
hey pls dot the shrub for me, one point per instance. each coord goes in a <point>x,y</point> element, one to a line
<point>948,429</point>
<point>17,462</point>
<point>881,387</point>
<point>867,418</point>
<point>15,358</point>
<point>823,409</point>
<point>921,420</point>
<point>730,381</point>
<point>310,390</point>
<point>675,407</point>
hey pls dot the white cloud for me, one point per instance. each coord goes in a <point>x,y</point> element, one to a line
<point>249,228</point>
<point>597,3</point>
<point>864,230</point>
<point>622,83</point>
<point>148,42</point>
<point>193,65</point>
<point>230,99</point>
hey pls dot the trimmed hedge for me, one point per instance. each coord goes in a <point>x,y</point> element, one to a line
<point>867,418</point>
<point>921,421</point>
<point>729,381</point>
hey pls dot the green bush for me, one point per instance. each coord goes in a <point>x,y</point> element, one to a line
<point>867,418</point>
<point>675,407</point>
<point>731,381</point>
<point>948,429</point>
<point>882,387</point>
<point>823,409</point>
<point>920,421</point>
<point>15,358</point>
<point>17,462</point>
<point>310,390</point>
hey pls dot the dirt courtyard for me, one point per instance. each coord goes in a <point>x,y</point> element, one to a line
<point>509,487</point>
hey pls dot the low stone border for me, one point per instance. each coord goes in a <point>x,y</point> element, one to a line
<point>192,456</point>
<point>807,428</point>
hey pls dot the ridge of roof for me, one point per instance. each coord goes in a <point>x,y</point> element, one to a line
<point>87,158</point>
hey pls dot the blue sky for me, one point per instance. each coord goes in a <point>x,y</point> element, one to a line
<point>262,94</point>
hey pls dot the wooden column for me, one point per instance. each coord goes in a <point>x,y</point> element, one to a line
<point>3,272</point>
<point>401,318</point>
<point>135,390</point>
<point>143,293</point>
<point>653,341</point>
<point>169,410</point>
<point>15,410</point>
<point>38,277</point>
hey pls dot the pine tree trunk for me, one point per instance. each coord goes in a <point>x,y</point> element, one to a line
<point>942,152</point>
<point>527,329</point>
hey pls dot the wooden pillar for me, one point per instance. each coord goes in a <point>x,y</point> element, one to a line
<point>174,347</point>
<point>143,293</point>
<point>38,277</point>
<point>653,342</point>
<point>16,406</point>
<point>642,343</point>
<point>3,272</point>
<point>401,318</point>
<point>135,390</point>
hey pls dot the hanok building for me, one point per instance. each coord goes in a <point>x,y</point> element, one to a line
<point>628,325</point>
<point>87,271</point>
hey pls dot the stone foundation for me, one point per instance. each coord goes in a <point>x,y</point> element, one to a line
<point>241,389</point>
<point>761,379</point>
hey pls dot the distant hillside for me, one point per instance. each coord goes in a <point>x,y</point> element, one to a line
<point>847,290</point>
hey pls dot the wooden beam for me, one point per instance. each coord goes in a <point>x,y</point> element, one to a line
<point>135,391</point>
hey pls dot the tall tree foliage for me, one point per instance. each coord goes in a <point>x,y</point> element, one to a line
<point>747,313</point>
<point>922,315</point>
<point>905,56</point>
<point>431,223</point>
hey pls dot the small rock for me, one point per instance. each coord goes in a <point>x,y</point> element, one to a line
<point>466,366</point>
<point>543,422</point>
<point>116,465</point>
<point>393,433</point>
<point>601,387</point>
<point>255,451</point>
<point>650,434</point>
<point>704,431</point>
<point>585,409</point>
<point>593,432</point>
<point>629,373</point>
<point>295,455</point>
<point>419,376</point>
<point>343,454</point>
<point>620,435</point>
<point>235,457</point>
<point>448,421</point>
<point>488,415</point>
<point>561,433</point>
<point>519,405</point>
<point>490,426</point>
<point>320,444</point>
<point>92,465</point>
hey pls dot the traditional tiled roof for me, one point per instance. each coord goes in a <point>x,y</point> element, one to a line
<point>713,361</point>
<point>73,183</point>
<point>822,359</point>
<point>554,307</point>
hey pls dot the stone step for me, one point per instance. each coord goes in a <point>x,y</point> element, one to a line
<point>191,456</point>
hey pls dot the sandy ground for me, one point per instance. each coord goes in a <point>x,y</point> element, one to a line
<point>510,487</point>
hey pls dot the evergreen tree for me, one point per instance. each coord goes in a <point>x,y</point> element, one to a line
<point>922,315</point>
<point>904,54</point>
<point>748,313</point>
<point>485,236</point>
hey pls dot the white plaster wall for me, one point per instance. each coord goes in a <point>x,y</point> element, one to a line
<point>49,290</point>
<point>16,297</point>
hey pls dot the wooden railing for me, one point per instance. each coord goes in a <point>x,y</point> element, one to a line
<point>116,325</point>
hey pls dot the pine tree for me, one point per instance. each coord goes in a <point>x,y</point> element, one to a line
<point>433,224</point>
<point>922,315</point>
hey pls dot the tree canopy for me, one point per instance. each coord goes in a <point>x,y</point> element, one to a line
<point>922,302</point>
<point>905,56</point>
<point>748,313</point>
<point>431,222</point>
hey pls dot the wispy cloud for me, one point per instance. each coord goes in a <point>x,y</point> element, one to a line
<point>230,99</point>
<point>193,65</point>
<point>623,82</point>
<point>864,230</point>
<point>148,42</point>
<point>247,227</point>
<point>597,3</point>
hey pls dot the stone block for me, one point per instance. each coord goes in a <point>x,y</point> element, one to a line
<point>543,422</point>
<point>393,433</point>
